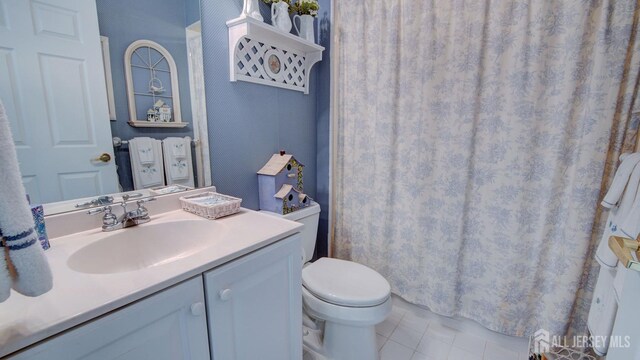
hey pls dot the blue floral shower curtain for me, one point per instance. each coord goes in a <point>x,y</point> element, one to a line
<point>473,141</point>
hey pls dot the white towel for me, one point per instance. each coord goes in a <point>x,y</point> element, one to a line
<point>604,254</point>
<point>629,219</point>
<point>603,310</point>
<point>145,150</point>
<point>178,170</point>
<point>618,280</point>
<point>177,161</point>
<point>30,274</point>
<point>623,192</point>
<point>621,178</point>
<point>146,175</point>
<point>179,150</point>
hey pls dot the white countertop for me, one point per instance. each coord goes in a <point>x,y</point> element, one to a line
<point>79,297</point>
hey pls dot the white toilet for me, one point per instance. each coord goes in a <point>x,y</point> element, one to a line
<point>342,300</point>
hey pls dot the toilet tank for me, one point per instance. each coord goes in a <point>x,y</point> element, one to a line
<point>309,216</point>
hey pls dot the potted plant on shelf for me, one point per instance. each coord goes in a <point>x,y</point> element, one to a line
<point>280,14</point>
<point>306,10</point>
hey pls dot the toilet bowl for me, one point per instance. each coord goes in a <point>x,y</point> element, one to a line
<point>342,300</point>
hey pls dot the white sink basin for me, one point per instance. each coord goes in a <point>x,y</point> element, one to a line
<point>146,246</point>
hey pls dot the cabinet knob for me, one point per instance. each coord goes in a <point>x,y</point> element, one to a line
<point>197,309</point>
<point>225,294</point>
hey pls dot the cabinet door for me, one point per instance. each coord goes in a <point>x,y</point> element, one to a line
<point>254,305</point>
<point>169,325</point>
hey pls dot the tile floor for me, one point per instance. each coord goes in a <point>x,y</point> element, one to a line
<point>413,333</point>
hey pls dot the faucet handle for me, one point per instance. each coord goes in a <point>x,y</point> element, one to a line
<point>109,218</point>
<point>142,201</point>
<point>141,213</point>
<point>99,210</point>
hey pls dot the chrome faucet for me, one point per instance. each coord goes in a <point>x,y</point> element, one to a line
<point>105,200</point>
<point>135,217</point>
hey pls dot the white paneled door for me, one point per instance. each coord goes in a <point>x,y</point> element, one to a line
<point>53,88</point>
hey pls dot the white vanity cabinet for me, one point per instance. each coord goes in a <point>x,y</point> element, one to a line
<point>168,325</point>
<point>254,305</point>
<point>253,310</point>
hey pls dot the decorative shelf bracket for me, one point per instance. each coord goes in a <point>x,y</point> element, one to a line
<point>261,54</point>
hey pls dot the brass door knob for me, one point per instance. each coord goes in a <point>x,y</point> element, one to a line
<point>104,157</point>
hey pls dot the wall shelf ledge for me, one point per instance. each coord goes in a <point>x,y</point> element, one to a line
<point>151,124</point>
<point>260,53</point>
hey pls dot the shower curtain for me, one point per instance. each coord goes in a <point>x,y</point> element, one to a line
<point>473,140</point>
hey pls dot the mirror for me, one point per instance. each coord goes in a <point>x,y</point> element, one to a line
<point>70,94</point>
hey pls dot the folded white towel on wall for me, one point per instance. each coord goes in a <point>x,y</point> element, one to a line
<point>629,215</point>
<point>145,150</point>
<point>179,149</point>
<point>604,254</point>
<point>623,198</point>
<point>145,174</point>
<point>603,310</point>
<point>620,179</point>
<point>178,170</point>
<point>177,161</point>
<point>30,274</point>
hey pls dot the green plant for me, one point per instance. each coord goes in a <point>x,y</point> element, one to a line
<point>306,7</point>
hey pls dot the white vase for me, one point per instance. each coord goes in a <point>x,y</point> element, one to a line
<point>280,16</point>
<point>305,30</point>
<point>252,9</point>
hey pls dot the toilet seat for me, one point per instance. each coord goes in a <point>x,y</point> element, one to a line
<point>345,283</point>
<point>354,316</point>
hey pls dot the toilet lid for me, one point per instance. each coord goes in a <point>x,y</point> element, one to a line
<point>345,283</point>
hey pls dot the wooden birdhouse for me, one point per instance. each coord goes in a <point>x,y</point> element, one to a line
<point>281,185</point>
<point>289,199</point>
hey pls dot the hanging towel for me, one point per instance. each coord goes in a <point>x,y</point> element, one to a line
<point>604,254</point>
<point>24,266</point>
<point>177,161</point>
<point>603,310</point>
<point>620,179</point>
<point>179,149</point>
<point>178,170</point>
<point>623,192</point>
<point>623,200</point>
<point>145,174</point>
<point>145,150</point>
<point>629,217</point>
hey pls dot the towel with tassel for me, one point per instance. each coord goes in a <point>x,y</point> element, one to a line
<point>23,264</point>
<point>146,174</point>
<point>177,161</point>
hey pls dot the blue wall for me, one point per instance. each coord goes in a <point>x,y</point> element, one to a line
<point>164,22</point>
<point>249,122</point>
<point>192,11</point>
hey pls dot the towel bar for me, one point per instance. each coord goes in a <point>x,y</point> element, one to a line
<point>117,142</point>
<point>624,249</point>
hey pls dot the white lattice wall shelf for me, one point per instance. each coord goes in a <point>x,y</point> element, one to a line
<point>261,54</point>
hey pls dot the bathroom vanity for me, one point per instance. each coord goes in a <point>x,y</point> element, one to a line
<point>178,287</point>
